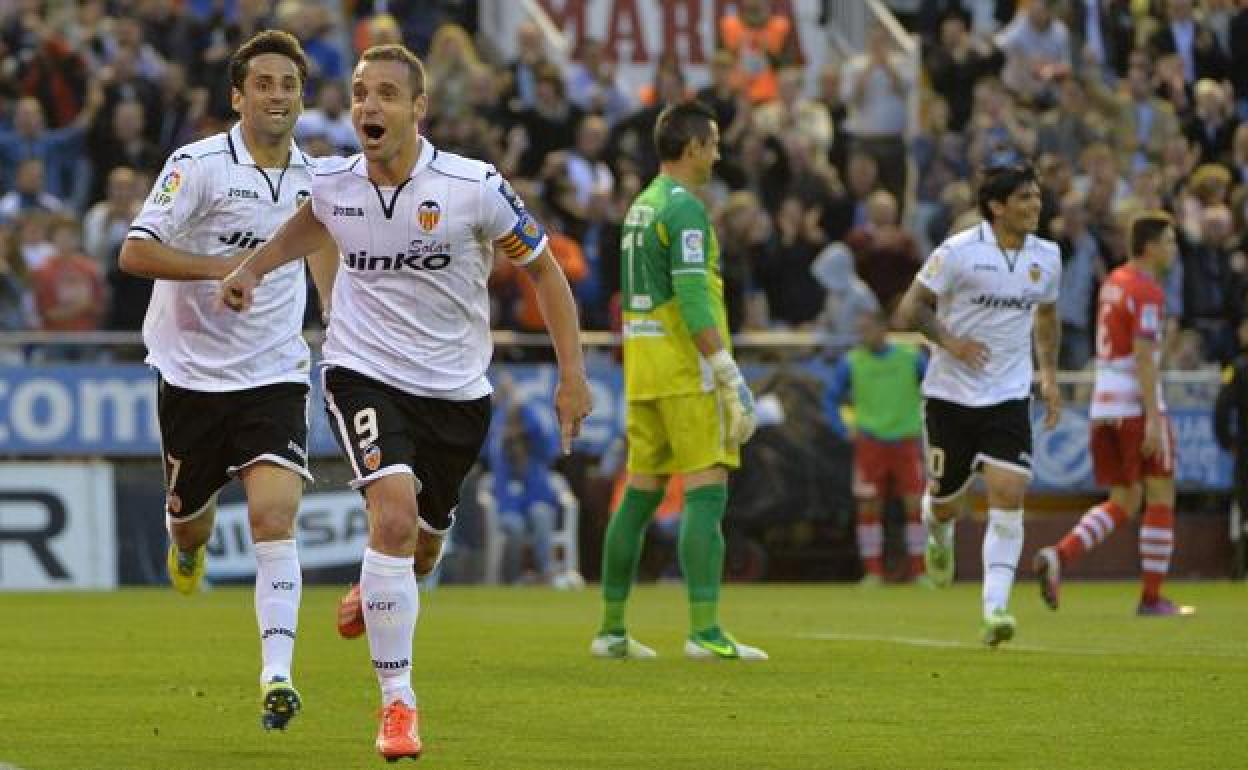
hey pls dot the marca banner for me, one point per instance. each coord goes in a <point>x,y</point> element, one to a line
<point>636,33</point>
<point>57,526</point>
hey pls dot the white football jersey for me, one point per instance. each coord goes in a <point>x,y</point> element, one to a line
<point>410,305</point>
<point>212,199</point>
<point>988,294</point>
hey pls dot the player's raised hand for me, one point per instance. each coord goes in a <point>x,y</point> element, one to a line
<point>238,287</point>
<point>573,403</point>
<point>1052,395</point>
<point>971,352</point>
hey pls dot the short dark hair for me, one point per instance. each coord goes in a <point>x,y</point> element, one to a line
<point>267,41</point>
<point>1148,227</point>
<point>399,53</point>
<point>998,183</point>
<point>678,125</point>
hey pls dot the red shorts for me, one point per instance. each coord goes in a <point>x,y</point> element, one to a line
<point>877,463</point>
<point>1115,446</point>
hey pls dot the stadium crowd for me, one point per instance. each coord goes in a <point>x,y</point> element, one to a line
<point>1123,105</point>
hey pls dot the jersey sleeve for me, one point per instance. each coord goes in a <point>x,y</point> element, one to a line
<point>507,223</point>
<point>684,234</point>
<point>1146,315</point>
<point>176,200</point>
<point>937,272</point>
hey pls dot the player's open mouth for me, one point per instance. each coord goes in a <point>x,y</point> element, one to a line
<point>373,131</point>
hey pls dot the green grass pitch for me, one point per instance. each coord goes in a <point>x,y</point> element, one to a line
<point>890,678</point>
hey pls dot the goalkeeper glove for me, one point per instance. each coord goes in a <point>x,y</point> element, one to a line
<point>736,397</point>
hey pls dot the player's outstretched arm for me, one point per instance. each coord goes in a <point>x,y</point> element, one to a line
<point>1048,334</point>
<point>573,400</point>
<point>152,259</point>
<point>301,235</point>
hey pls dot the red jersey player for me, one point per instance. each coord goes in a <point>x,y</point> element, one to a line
<point>1131,438</point>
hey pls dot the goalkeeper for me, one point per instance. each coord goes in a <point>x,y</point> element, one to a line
<point>689,409</point>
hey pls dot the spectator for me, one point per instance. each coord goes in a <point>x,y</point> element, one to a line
<point>1192,41</point>
<point>60,149</point>
<point>520,451</point>
<point>955,64</point>
<point>724,96</point>
<point>17,305</point>
<point>940,160</point>
<point>149,65</point>
<point>311,23</point>
<point>847,298</point>
<point>1082,270</point>
<point>875,88</point>
<point>1142,124</point>
<point>1209,303</point>
<point>453,65</point>
<point>1037,49</point>
<point>744,229</point>
<point>996,127</point>
<point>762,42</point>
<point>828,93</point>
<point>885,255</point>
<point>1071,124</point>
<point>29,193</point>
<point>1239,154</point>
<point>107,222</point>
<point>68,287</point>
<point>329,119</point>
<point>550,124</point>
<point>783,273</point>
<point>863,178</point>
<point>54,74</point>
<point>530,59</point>
<point>1211,126</point>
<point>125,145</point>
<point>1102,35</point>
<point>1239,58</point>
<point>592,84</point>
<point>793,114</point>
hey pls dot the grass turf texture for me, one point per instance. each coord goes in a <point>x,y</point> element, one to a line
<point>887,678</point>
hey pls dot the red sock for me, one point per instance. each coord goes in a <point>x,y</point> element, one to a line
<point>916,541</point>
<point>1091,531</point>
<point>1156,545</point>
<point>871,543</point>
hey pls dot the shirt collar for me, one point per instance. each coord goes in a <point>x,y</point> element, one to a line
<point>241,155</point>
<point>427,153</point>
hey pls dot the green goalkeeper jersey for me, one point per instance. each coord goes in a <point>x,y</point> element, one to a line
<point>671,290</point>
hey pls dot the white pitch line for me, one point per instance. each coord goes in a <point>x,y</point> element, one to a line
<point>917,641</point>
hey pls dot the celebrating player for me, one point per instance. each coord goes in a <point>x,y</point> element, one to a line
<point>408,343</point>
<point>1131,437</point>
<point>234,388</point>
<point>977,299</point>
<point>689,409</point>
<point>882,382</point>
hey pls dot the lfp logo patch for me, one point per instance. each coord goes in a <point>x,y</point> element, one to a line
<point>691,246</point>
<point>428,215</point>
<point>168,188</point>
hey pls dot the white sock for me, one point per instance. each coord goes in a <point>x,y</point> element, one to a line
<point>279,586</point>
<point>1003,543</point>
<point>391,605</point>
<point>940,531</point>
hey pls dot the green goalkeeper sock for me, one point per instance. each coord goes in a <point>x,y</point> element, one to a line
<point>702,553</point>
<point>621,551</point>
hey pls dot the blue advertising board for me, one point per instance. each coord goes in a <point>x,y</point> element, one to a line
<point>111,411</point>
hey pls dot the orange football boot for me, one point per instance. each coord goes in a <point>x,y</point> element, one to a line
<point>399,735</point>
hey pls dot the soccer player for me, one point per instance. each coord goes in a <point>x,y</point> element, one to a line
<point>882,382</point>
<point>234,388</point>
<point>689,408</point>
<point>978,298</point>
<point>1130,435</point>
<point>408,342</point>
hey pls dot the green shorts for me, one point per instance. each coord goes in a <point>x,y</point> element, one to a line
<point>678,434</point>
